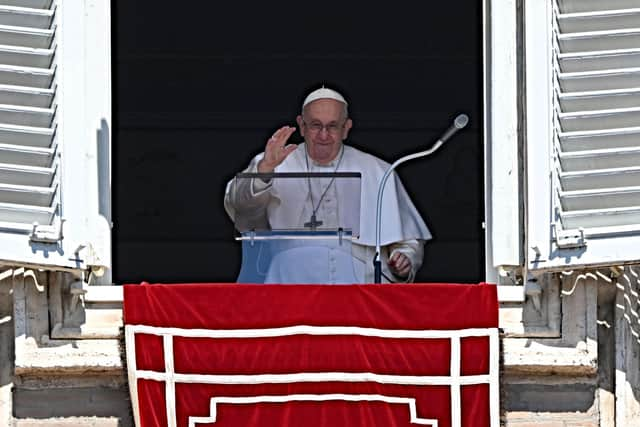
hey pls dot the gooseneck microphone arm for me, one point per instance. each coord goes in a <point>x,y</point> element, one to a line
<point>459,123</point>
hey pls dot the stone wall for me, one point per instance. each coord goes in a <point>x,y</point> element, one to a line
<point>588,375</point>
<point>60,366</point>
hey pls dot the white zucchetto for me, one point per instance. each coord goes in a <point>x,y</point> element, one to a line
<point>323,93</point>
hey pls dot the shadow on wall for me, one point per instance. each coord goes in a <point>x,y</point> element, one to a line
<point>627,328</point>
<point>7,337</point>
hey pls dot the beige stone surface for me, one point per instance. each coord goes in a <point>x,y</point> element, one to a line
<point>6,348</point>
<point>68,357</point>
<point>568,419</point>
<point>70,422</point>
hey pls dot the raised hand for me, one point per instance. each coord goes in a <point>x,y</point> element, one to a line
<point>277,149</point>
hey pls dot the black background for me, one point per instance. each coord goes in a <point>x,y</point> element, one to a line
<point>200,86</point>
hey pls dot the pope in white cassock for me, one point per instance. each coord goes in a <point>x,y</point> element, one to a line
<point>324,123</point>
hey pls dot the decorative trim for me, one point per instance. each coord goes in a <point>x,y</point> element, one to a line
<point>454,380</point>
<point>314,398</point>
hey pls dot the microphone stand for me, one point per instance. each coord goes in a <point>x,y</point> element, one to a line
<point>460,122</point>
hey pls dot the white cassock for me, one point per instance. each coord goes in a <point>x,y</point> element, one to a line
<point>403,229</point>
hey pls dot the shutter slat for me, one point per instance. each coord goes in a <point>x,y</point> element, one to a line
<point>627,38</point>
<point>25,17</point>
<point>599,139</point>
<point>600,80</point>
<point>593,101</point>
<point>35,4</point>
<point>597,179</point>
<point>599,20</point>
<point>27,175</point>
<point>600,199</point>
<point>26,37</point>
<point>601,218</point>
<point>28,57</point>
<point>26,214</point>
<point>28,147</point>
<point>27,156</point>
<point>600,159</point>
<point>581,6</point>
<point>594,120</point>
<point>24,135</point>
<point>26,76</point>
<point>599,60</point>
<point>26,116</point>
<point>21,194</point>
<point>26,96</point>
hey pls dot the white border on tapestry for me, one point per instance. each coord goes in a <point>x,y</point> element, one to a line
<point>454,380</point>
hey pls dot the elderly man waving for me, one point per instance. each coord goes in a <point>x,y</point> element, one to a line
<point>325,124</point>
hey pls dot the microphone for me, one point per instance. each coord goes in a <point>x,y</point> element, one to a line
<point>460,122</point>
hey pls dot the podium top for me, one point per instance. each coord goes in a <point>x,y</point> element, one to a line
<point>296,201</point>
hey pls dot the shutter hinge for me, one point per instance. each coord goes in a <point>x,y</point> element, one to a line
<point>47,233</point>
<point>568,239</point>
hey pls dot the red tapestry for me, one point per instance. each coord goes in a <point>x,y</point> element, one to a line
<point>314,356</point>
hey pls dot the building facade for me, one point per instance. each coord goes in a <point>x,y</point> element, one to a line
<point>562,212</point>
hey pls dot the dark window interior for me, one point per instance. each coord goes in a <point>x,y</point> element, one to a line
<point>198,87</point>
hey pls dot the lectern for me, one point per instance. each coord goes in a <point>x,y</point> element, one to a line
<point>297,227</point>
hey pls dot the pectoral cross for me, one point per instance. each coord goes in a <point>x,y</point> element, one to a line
<point>313,223</point>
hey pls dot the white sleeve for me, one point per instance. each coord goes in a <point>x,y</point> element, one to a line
<point>249,197</point>
<point>258,186</point>
<point>412,249</point>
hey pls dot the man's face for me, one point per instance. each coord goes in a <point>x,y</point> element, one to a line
<point>324,126</point>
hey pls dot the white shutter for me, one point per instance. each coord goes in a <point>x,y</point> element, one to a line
<point>29,184</point>
<point>54,100</point>
<point>592,125</point>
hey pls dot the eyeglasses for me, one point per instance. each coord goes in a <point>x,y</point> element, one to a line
<point>316,127</point>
